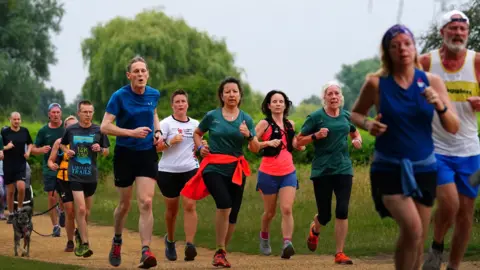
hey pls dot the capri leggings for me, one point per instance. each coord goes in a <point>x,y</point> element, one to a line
<point>324,187</point>
<point>225,193</point>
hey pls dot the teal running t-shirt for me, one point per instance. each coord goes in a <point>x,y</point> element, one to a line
<point>224,137</point>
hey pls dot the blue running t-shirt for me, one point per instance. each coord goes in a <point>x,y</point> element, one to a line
<point>133,110</point>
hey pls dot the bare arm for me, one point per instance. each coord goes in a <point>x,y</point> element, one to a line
<point>355,135</point>
<point>108,128</point>
<point>364,102</point>
<point>425,61</point>
<point>295,139</point>
<point>259,130</point>
<point>449,118</point>
<point>29,149</point>
<point>40,150</point>
<point>105,151</point>
<point>64,148</point>
<point>156,121</point>
<point>53,155</point>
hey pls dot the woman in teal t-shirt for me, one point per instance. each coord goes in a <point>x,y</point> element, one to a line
<point>328,129</point>
<point>228,128</point>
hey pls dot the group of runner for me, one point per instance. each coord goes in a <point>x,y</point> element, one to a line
<point>426,149</point>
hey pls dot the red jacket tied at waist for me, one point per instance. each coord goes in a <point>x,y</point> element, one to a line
<point>195,188</point>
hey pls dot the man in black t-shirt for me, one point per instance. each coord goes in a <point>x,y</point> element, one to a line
<point>85,142</point>
<point>14,139</point>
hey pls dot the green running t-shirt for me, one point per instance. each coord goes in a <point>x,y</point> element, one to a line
<point>331,155</point>
<point>224,137</point>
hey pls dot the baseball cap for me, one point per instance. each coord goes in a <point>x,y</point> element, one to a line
<point>447,18</point>
<point>54,105</point>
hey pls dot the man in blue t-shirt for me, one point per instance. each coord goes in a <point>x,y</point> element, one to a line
<point>137,128</point>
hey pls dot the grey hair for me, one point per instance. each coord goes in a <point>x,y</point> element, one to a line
<point>135,60</point>
<point>324,89</point>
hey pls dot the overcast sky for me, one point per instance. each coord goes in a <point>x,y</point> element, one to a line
<point>295,46</point>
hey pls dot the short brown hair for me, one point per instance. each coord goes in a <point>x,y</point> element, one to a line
<point>135,60</point>
<point>83,102</point>
<point>178,92</point>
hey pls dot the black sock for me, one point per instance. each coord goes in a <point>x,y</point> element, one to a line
<point>145,248</point>
<point>117,238</point>
<point>437,246</point>
<point>315,233</point>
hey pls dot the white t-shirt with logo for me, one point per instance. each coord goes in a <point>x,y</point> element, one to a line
<point>180,157</point>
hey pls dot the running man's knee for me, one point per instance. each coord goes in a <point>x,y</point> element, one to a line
<point>145,204</point>
<point>82,211</point>
<point>466,209</point>
<point>448,199</point>
<point>20,185</point>
<point>51,198</point>
<point>69,211</point>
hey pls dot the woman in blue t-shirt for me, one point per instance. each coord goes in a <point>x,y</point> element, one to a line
<point>403,173</point>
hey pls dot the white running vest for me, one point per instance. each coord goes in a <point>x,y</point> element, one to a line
<point>461,84</point>
<point>181,157</point>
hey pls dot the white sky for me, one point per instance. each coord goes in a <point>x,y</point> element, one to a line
<point>295,46</point>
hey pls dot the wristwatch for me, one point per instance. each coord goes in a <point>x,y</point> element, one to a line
<point>314,137</point>
<point>249,138</point>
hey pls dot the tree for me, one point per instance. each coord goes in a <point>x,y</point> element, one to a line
<point>353,76</point>
<point>26,51</point>
<point>313,99</point>
<point>175,53</point>
<point>432,39</point>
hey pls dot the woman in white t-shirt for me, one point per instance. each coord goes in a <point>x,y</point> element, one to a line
<point>177,165</point>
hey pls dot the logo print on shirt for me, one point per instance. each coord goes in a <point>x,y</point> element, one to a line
<point>180,131</point>
<point>420,83</point>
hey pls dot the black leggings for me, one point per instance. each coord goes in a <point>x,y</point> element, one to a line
<point>324,187</point>
<point>225,193</point>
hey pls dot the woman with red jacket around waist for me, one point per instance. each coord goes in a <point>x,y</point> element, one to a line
<point>223,169</point>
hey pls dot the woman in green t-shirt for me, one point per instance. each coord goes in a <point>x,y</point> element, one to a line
<point>228,128</point>
<point>328,129</point>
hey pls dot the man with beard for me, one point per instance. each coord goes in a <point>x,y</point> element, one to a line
<point>44,141</point>
<point>458,155</point>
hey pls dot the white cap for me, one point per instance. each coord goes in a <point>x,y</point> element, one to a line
<point>447,17</point>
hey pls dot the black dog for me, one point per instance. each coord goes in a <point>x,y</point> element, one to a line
<point>22,229</point>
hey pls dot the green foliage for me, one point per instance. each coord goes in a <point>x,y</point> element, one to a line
<point>432,40</point>
<point>353,76</point>
<point>313,100</point>
<point>25,53</point>
<point>175,53</point>
<point>199,90</point>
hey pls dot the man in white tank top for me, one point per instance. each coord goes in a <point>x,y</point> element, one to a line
<point>458,155</point>
<point>177,165</point>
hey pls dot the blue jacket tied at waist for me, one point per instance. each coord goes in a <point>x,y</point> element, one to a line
<point>407,167</point>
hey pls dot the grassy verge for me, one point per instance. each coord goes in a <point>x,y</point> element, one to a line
<point>368,234</point>
<point>25,264</point>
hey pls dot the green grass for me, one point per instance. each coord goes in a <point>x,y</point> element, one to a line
<point>368,234</point>
<point>25,264</point>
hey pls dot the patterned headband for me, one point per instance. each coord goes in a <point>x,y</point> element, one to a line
<point>393,32</point>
